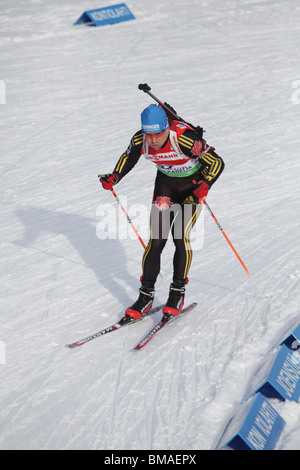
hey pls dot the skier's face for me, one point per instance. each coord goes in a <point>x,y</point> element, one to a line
<point>156,141</point>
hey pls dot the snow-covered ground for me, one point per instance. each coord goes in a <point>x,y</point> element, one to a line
<point>71,106</point>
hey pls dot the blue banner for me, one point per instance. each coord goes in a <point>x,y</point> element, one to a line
<point>108,15</point>
<point>284,376</point>
<point>293,339</point>
<point>279,377</point>
<point>259,430</point>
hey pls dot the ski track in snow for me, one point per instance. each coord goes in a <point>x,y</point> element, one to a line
<point>72,105</point>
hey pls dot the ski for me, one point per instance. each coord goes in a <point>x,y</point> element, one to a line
<point>163,322</point>
<point>114,327</point>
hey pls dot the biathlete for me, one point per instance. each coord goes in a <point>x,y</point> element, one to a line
<point>186,169</point>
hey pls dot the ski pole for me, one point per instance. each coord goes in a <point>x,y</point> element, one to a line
<point>127,216</point>
<point>129,219</point>
<point>130,222</point>
<point>227,239</point>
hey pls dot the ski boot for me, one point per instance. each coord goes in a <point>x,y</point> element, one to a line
<point>141,306</point>
<point>176,298</point>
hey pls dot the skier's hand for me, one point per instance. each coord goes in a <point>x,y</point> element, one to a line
<point>200,189</point>
<point>108,181</point>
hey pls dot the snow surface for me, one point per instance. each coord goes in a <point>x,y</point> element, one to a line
<point>72,104</point>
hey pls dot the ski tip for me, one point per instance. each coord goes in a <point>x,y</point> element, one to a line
<point>72,345</point>
<point>142,343</point>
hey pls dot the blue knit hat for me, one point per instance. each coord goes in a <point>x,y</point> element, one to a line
<point>154,120</point>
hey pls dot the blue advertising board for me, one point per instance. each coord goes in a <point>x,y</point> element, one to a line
<point>279,377</point>
<point>107,15</point>
<point>284,378</point>
<point>293,339</point>
<point>259,427</point>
